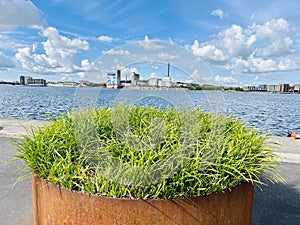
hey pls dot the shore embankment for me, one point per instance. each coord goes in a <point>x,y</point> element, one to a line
<point>273,204</point>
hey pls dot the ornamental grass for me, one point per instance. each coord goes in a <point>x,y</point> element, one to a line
<point>148,153</point>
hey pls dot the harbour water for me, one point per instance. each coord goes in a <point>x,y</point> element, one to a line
<point>274,113</point>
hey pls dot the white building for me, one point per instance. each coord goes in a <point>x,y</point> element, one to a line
<point>153,82</point>
<point>297,87</point>
<point>165,82</point>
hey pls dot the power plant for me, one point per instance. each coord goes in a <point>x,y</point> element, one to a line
<point>114,81</point>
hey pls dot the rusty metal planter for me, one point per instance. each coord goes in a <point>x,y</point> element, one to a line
<point>53,205</point>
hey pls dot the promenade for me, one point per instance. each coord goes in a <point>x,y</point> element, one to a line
<point>275,204</point>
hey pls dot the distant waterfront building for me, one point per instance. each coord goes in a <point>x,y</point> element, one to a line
<point>22,80</point>
<point>152,82</point>
<point>135,77</point>
<point>160,82</point>
<point>283,87</point>
<point>37,82</point>
<point>291,88</point>
<point>278,87</point>
<point>245,88</point>
<point>113,80</point>
<point>118,78</point>
<point>249,88</point>
<point>262,87</point>
<point>165,82</point>
<point>271,88</point>
<point>29,81</point>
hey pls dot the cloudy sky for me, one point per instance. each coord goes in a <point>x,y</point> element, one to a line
<point>241,42</point>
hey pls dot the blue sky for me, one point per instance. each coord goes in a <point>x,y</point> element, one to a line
<point>241,42</point>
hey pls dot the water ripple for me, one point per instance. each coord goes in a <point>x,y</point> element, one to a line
<point>274,113</point>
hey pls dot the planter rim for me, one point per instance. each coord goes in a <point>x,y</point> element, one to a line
<point>53,204</point>
<point>47,182</point>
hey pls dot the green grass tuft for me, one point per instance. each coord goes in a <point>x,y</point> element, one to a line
<point>147,153</point>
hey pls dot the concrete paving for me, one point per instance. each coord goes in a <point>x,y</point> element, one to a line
<point>15,194</point>
<point>13,128</point>
<point>279,204</point>
<point>273,204</point>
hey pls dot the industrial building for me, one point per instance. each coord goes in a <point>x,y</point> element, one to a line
<point>135,77</point>
<point>164,82</point>
<point>160,82</point>
<point>114,81</point>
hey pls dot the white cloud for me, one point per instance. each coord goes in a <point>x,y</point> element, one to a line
<point>166,56</point>
<point>105,38</point>
<point>225,79</point>
<point>6,62</point>
<point>38,63</point>
<point>272,28</point>
<point>279,47</point>
<point>86,66</point>
<point>66,78</point>
<point>61,46</point>
<point>153,75</point>
<point>117,52</point>
<point>133,69</point>
<point>127,71</point>
<point>195,74</point>
<point>218,12</point>
<point>171,41</point>
<point>260,65</point>
<point>236,42</point>
<point>287,64</point>
<point>59,54</point>
<point>149,45</point>
<point>276,32</point>
<point>256,49</point>
<point>209,53</point>
<point>8,41</point>
<point>221,79</point>
<point>85,63</point>
<point>15,13</point>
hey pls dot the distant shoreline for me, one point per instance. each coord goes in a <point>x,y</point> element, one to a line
<point>154,88</point>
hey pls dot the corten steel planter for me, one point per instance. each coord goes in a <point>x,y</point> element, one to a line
<point>53,205</point>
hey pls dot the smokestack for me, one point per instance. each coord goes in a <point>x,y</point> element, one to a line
<point>168,69</point>
<point>118,78</point>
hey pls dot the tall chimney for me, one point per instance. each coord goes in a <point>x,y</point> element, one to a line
<point>168,69</point>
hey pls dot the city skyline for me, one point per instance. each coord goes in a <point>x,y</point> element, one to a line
<point>241,42</point>
<point>152,82</point>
